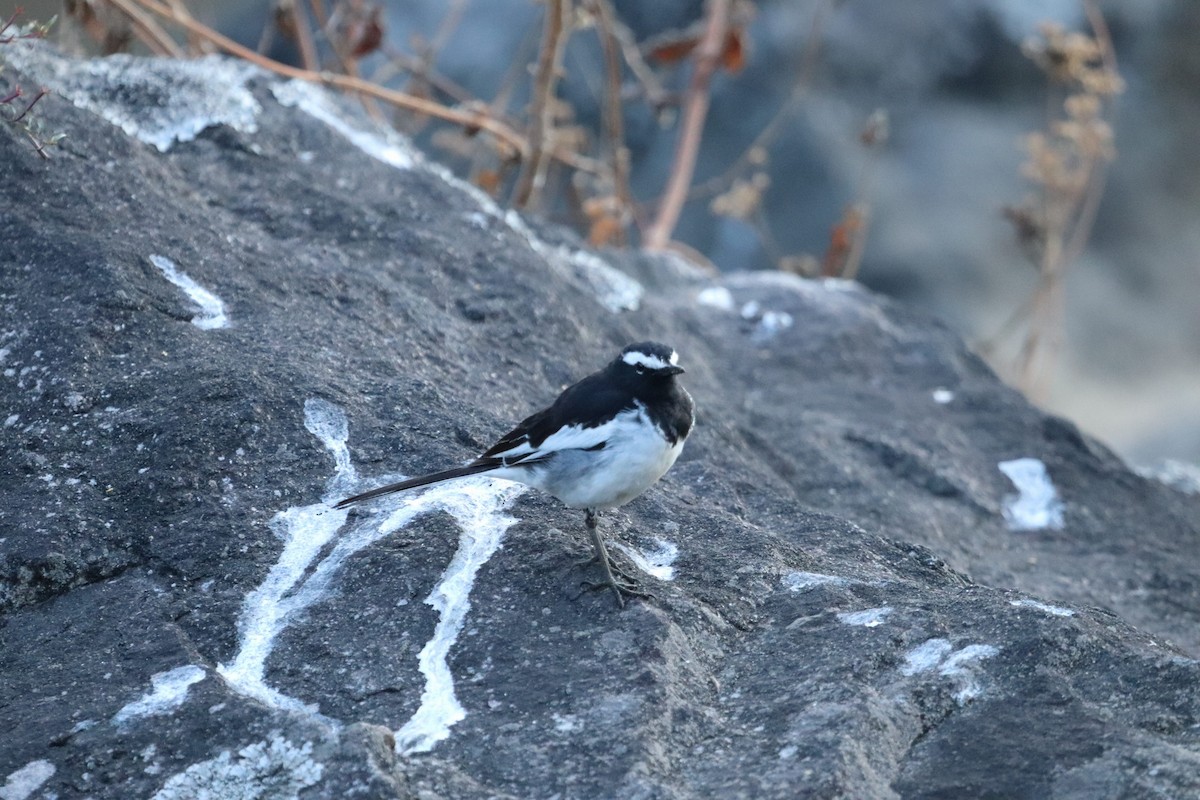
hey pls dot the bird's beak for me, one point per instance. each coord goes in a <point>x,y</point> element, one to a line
<point>673,370</point>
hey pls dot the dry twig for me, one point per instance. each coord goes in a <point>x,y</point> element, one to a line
<point>707,55</point>
<point>1067,162</point>
<point>542,113</point>
<point>469,118</point>
<point>618,215</point>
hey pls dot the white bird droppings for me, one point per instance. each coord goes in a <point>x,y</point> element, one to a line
<point>613,289</point>
<point>211,306</point>
<point>170,689</point>
<point>657,562</point>
<point>384,144</point>
<point>479,506</point>
<point>1036,505</point>
<point>274,768</point>
<point>803,581</point>
<point>716,297</point>
<point>943,396</point>
<point>1057,611</point>
<point>867,618</point>
<point>961,666</point>
<point>566,723</point>
<point>925,656</point>
<point>27,780</point>
<point>285,592</point>
<point>158,101</point>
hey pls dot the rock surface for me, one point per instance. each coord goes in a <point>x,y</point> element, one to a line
<point>202,348</point>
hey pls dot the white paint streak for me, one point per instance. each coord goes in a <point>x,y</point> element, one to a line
<point>1036,505</point>
<point>27,780</point>
<point>867,618</point>
<point>170,689</point>
<point>1057,611</point>
<point>657,562</point>
<point>213,308</point>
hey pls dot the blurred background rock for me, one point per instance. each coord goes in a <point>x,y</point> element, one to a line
<point>960,96</point>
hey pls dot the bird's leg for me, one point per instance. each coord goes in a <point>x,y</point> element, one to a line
<point>627,586</point>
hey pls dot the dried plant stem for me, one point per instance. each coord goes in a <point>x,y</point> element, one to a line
<point>708,53</point>
<point>858,243</point>
<point>1097,172</point>
<point>320,14</point>
<point>1068,223</point>
<point>652,88</point>
<point>469,119</point>
<point>151,32</point>
<point>418,67</point>
<point>1046,311</point>
<point>800,86</point>
<point>41,93</point>
<point>304,37</point>
<point>542,112</point>
<point>614,121</point>
<point>446,28</point>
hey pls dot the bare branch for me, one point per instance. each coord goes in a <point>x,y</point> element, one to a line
<point>150,31</point>
<point>614,122</point>
<point>554,37</point>
<point>707,55</point>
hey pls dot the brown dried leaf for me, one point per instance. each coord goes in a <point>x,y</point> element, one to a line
<point>841,242</point>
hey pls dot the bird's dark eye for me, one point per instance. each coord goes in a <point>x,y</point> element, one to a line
<point>641,370</point>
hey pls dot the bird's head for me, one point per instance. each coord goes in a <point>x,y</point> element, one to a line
<point>647,364</point>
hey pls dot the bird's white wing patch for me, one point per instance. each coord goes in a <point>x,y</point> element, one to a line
<point>570,437</point>
<point>577,437</point>
<point>635,358</point>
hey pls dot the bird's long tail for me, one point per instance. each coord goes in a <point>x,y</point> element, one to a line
<point>423,480</point>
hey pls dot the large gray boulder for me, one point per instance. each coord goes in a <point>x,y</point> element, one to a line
<point>228,302</point>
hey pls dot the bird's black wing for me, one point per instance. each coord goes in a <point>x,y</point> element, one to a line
<point>575,422</point>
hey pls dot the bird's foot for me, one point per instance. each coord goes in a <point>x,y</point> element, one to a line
<point>621,589</point>
<point>584,563</point>
<point>621,582</point>
<point>612,573</point>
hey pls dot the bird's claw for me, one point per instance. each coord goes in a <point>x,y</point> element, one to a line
<point>621,589</point>
<point>618,575</point>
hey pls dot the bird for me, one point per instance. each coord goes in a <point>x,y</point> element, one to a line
<point>605,440</point>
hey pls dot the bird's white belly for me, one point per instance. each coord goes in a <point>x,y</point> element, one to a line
<point>629,464</point>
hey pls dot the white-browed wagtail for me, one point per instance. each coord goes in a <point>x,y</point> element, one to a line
<point>603,442</point>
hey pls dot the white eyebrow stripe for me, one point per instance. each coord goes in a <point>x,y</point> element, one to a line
<point>635,358</point>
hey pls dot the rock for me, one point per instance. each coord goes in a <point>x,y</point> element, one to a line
<point>847,612</point>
